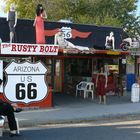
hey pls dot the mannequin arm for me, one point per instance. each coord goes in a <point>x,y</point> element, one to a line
<point>7,16</point>
<point>113,42</point>
<point>34,22</point>
<point>15,19</point>
<point>44,15</point>
<point>55,39</point>
<point>106,80</point>
<point>106,41</point>
<point>96,80</point>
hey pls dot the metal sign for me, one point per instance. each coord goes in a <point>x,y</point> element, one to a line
<point>67,32</point>
<point>137,53</point>
<point>25,82</point>
<point>29,49</point>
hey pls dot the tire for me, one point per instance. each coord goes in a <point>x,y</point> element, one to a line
<point>124,47</point>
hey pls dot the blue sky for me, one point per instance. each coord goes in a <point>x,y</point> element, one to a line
<point>138,9</point>
<point>2,14</point>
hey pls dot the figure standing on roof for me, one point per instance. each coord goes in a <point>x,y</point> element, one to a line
<point>12,20</point>
<point>39,24</point>
<point>110,41</point>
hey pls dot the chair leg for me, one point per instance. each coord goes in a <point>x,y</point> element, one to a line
<point>76,92</point>
<point>1,131</point>
<point>17,125</point>
<point>84,94</point>
<point>92,95</point>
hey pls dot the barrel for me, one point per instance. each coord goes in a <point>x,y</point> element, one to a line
<point>130,81</point>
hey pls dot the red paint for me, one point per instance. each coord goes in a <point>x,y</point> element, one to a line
<point>47,102</point>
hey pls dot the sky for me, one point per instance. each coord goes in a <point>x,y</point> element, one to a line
<point>2,14</point>
<point>138,9</point>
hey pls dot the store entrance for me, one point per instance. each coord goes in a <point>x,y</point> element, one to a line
<point>54,74</point>
<point>58,76</point>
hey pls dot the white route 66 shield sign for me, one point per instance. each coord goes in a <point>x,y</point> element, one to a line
<point>25,82</point>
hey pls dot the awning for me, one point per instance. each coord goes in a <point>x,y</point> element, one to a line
<point>93,51</point>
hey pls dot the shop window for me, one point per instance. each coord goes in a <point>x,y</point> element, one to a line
<point>78,67</point>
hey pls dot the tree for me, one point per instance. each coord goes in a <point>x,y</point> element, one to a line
<point>101,12</point>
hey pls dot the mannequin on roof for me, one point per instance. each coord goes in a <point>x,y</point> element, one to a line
<point>39,24</point>
<point>63,43</point>
<point>12,21</point>
<point>110,41</point>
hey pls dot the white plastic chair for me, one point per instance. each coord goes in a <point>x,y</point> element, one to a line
<point>17,122</point>
<point>2,118</point>
<point>86,88</point>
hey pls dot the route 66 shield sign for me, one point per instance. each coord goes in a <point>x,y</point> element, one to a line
<point>25,82</point>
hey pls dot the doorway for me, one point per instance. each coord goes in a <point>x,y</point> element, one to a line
<point>58,75</point>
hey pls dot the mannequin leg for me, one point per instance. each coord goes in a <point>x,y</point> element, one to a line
<point>100,99</point>
<point>11,37</point>
<point>104,98</point>
<point>70,45</point>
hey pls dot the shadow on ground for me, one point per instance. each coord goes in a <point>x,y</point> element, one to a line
<point>60,99</point>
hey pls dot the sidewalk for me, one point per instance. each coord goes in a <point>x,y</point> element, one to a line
<point>68,109</point>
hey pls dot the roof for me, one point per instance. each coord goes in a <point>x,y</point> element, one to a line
<point>93,51</point>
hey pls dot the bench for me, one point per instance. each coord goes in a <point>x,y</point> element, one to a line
<point>3,121</point>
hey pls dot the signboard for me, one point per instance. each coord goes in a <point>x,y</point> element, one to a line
<point>29,49</point>
<point>113,67</point>
<point>25,82</point>
<point>67,32</point>
<point>113,53</point>
<point>137,53</point>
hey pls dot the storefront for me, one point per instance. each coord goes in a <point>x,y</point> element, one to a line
<point>23,80</point>
<point>69,66</point>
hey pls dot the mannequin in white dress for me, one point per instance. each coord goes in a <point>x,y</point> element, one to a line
<point>63,43</point>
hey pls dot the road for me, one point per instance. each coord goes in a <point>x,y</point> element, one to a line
<point>107,130</point>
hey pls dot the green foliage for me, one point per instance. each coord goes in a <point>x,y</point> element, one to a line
<point>25,8</point>
<point>101,12</point>
<point>131,60</point>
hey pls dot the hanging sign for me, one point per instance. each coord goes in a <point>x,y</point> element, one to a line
<point>25,82</point>
<point>29,49</point>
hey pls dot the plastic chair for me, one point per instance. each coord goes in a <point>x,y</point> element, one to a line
<point>2,118</point>
<point>86,88</point>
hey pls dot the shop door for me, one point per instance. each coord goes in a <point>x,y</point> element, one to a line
<point>58,75</point>
<point>54,74</point>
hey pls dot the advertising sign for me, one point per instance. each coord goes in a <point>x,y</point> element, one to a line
<point>29,49</point>
<point>25,82</point>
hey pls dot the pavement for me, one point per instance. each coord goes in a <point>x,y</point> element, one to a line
<point>70,109</point>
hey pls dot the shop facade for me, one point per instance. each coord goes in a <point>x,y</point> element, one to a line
<point>70,66</point>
